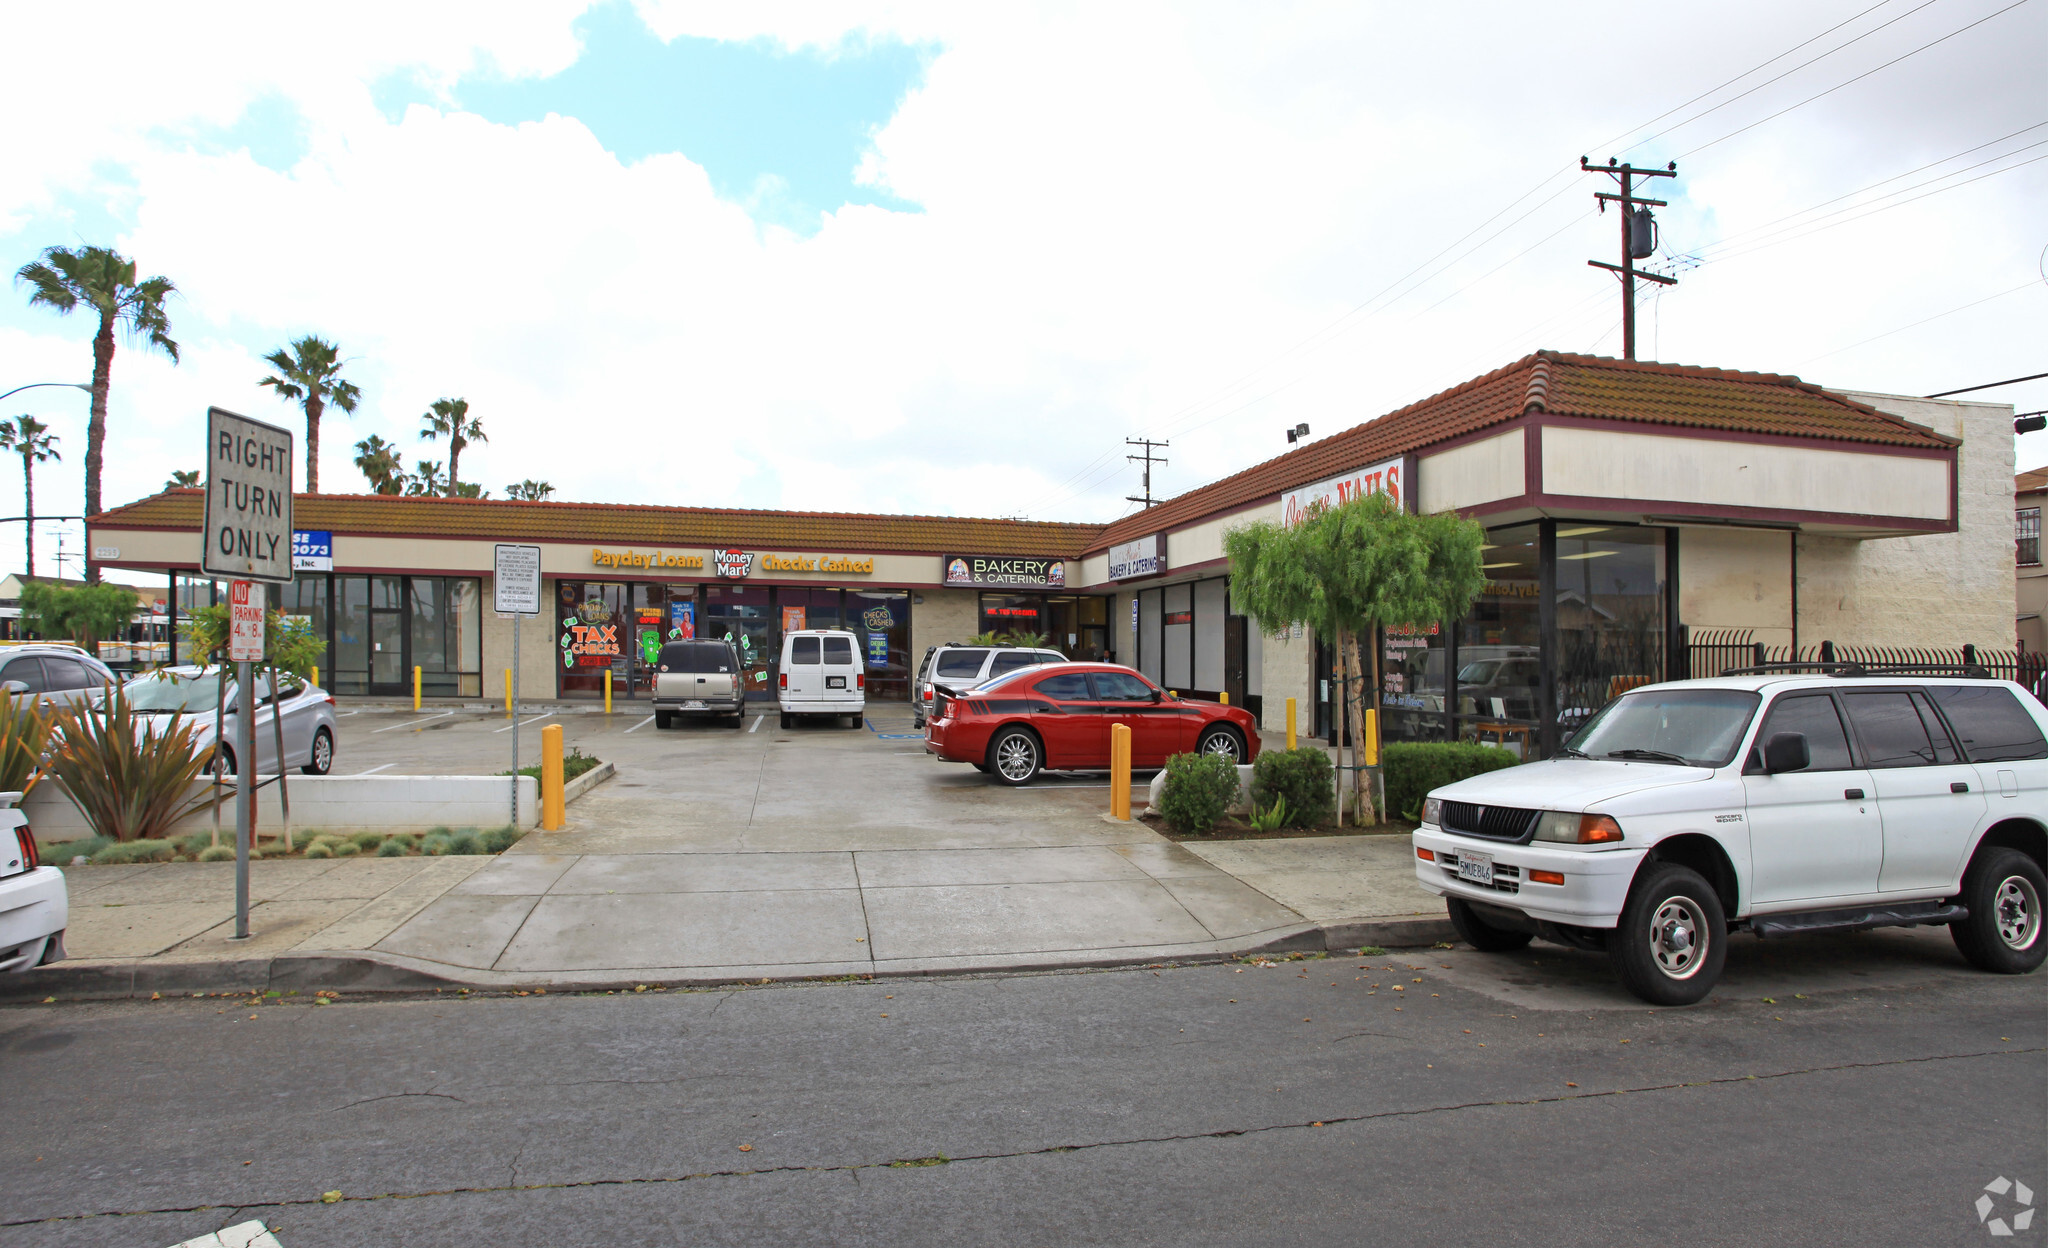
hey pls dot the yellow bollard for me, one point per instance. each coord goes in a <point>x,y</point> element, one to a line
<point>508,693</point>
<point>607,691</point>
<point>551,778</point>
<point>1372,738</point>
<point>1226,697</point>
<point>1290,723</point>
<point>416,688</point>
<point>315,681</point>
<point>1120,771</point>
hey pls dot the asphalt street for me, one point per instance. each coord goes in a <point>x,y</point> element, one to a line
<point>1855,1090</point>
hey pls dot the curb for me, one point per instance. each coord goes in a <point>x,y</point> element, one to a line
<point>372,972</point>
<point>587,781</point>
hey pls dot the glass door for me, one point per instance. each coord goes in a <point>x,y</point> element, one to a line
<point>387,637</point>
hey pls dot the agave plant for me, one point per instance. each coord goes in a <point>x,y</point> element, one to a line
<point>24,733</point>
<point>129,775</point>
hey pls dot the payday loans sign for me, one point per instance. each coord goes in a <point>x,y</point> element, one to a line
<point>248,535</point>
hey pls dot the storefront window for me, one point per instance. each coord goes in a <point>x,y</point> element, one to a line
<point>743,615</point>
<point>445,623</point>
<point>880,618</point>
<point>1500,647</point>
<point>1014,615</point>
<point>1177,641</point>
<point>1412,684</point>
<point>1610,616</point>
<point>306,598</point>
<point>590,635</point>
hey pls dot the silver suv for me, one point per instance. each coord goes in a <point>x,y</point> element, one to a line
<point>953,667</point>
<point>699,677</point>
<point>54,673</point>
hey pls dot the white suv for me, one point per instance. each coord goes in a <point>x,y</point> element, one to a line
<point>951,668</point>
<point>1778,802</point>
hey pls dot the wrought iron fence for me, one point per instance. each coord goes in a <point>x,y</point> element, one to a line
<point>1714,651</point>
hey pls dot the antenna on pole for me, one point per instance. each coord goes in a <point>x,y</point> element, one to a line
<point>1148,459</point>
<point>1638,237</point>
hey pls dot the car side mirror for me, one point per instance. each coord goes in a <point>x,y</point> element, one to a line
<point>14,686</point>
<point>1159,695</point>
<point>1786,751</point>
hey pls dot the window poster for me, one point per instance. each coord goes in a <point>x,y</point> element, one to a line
<point>792,619</point>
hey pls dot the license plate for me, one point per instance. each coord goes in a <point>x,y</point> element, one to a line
<point>1477,868</point>
<point>693,706</point>
<point>835,682</point>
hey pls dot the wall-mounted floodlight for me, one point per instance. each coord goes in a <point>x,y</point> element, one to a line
<point>1297,433</point>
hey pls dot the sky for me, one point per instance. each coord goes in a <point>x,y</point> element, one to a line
<point>945,259</point>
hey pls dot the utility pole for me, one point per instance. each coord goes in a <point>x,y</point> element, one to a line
<point>1148,459</point>
<point>1638,238</point>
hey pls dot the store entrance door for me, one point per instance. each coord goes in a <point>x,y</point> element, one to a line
<point>387,637</point>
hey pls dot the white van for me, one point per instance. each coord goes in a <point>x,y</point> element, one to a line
<point>822,675</point>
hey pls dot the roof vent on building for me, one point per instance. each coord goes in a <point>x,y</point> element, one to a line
<point>1537,397</point>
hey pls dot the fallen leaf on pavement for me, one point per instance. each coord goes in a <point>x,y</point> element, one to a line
<point>328,1198</point>
<point>746,1148</point>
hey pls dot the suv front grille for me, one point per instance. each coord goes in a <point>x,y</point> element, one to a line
<point>1500,823</point>
<point>1507,878</point>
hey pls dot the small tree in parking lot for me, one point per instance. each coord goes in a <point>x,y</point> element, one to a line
<point>1348,570</point>
<point>80,613</point>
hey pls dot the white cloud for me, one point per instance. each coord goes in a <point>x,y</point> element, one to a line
<point>1126,209</point>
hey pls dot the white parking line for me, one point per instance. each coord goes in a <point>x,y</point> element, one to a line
<point>642,724</point>
<point>415,723</point>
<point>756,723</point>
<point>522,723</point>
<point>346,714</point>
<point>374,770</point>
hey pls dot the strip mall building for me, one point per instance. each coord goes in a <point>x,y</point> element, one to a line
<point>1621,500</point>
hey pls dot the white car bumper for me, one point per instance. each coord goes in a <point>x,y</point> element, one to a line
<point>1595,884</point>
<point>33,905</point>
<point>831,706</point>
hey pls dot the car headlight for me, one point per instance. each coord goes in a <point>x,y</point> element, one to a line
<point>1577,829</point>
<point>1433,811</point>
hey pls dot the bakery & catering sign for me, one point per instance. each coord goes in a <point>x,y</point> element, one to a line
<point>1144,557</point>
<point>1006,570</point>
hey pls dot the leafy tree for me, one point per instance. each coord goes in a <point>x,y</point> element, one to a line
<point>309,373</point>
<point>468,489</point>
<point>83,613</point>
<point>1348,570</point>
<point>530,490</point>
<point>426,478</point>
<point>381,465</point>
<point>288,640</point>
<point>181,480</point>
<point>450,418</point>
<point>32,440</point>
<point>104,281</point>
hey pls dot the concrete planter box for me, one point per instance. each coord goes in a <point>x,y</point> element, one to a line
<point>1242,805</point>
<point>332,804</point>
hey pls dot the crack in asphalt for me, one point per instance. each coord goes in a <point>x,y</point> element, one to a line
<point>396,1096</point>
<point>854,1168</point>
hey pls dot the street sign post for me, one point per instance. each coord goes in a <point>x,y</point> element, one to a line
<point>515,591</point>
<point>248,538</point>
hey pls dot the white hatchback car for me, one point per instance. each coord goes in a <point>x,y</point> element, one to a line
<point>34,904</point>
<point>1778,803</point>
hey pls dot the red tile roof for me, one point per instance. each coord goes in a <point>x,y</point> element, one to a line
<point>1559,384</point>
<point>492,519</point>
<point>2029,482</point>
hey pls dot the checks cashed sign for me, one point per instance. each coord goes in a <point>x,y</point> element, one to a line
<point>248,499</point>
<point>1388,477</point>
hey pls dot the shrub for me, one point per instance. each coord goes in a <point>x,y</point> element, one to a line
<point>498,840</point>
<point>1198,789</point>
<point>1303,778</point>
<point>130,775</point>
<point>465,842</point>
<point>1271,819</point>
<point>135,851</point>
<point>196,843</point>
<point>347,849</point>
<point>60,853</point>
<point>391,849</point>
<point>404,840</point>
<point>1413,769</point>
<point>436,843</point>
<point>367,840</point>
<point>220,853</point>
<point>319,849</point>
<point>574,764</point>
<point>24,733</point>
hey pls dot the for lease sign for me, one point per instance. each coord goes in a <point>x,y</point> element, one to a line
<point>248,499</point>
<point>1381,478</point>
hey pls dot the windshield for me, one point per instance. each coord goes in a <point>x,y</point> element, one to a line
<point>1478,673</point>
<point>162,692</point>
<point>1701,727</point>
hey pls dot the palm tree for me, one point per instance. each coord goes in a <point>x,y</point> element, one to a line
<point>530,490</point>
<point>104,281</point>
<point>182,480</point>
<point>381,465</point>
<point>468,489</point>
<point>426,479</point>
<point>310,373</point>
<point>450,418</point>
<point>32,440</point>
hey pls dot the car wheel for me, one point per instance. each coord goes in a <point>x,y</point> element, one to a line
<point>739,718</point>
<point>1672,938</point>
<point>1224,741</point>
<point>663,719</point>
<point>223,762</point>
<point>323,754</point>
<point>856,722</point>
<point>2003,890</point>
<point>1480,934</point>
<point>1014,757</point>
<point>788,721</point>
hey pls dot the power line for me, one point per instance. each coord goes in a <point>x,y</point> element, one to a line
<point>1148,459</point>
<point>1991,385</point>
<point>1917,324</point>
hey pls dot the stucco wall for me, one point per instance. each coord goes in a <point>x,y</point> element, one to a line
<point>944,615</point>
<point>1940,590</point>
<point>1477,472</point>
<point>537,661</point>
<point>1287,661</point>
<point>1736,578</point>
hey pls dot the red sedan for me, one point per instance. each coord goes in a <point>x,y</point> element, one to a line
<point>1057,718</point>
